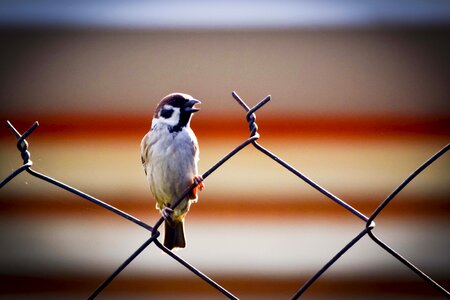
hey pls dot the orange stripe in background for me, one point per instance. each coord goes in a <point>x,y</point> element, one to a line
<point>247,208</point>
<point>361,126</point>
<point>179,287</point>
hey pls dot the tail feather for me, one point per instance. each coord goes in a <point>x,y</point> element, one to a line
<point>174,235</point>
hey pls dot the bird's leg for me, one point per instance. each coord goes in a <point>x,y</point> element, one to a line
<point>199,185</point>
<point>198,180</point>
<point>167,214</point>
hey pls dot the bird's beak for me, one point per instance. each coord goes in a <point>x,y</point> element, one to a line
<point>189,106</point>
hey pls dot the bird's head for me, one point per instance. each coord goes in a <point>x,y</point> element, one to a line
<point>175,111</point>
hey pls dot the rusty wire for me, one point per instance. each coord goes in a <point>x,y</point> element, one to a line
<point>369,223</point>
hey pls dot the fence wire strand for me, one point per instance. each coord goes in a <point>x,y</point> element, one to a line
<point>22,146</point>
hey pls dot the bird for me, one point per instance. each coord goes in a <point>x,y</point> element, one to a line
<point>170,155</point>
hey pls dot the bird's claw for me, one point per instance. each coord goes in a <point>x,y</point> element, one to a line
<point>199,186</point>
<point>198,180</point>
<point>167,214</point>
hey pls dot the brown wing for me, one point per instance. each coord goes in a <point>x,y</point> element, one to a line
<point>144,151</point>
<point>143,164</point>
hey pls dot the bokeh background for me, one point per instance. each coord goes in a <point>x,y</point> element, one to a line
<point>360,98</point>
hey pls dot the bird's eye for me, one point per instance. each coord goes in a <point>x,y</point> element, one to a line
<point>166,113</point>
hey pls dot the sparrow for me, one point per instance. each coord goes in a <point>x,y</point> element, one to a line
<point>169,154</point>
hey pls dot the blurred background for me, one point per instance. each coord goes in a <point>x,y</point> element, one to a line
<point>360,98</point>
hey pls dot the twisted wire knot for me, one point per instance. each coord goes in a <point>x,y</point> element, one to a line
<point>22,144</point>
<point>251,117</point>
<point>253,127</point>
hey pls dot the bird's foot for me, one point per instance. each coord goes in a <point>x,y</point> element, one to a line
<point>198,180</point>
<point>167,214</point>
<point>199,185</point>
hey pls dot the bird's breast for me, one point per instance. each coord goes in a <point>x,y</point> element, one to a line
<point>172,165</point>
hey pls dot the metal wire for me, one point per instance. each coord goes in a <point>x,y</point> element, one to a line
<point>22,146</point>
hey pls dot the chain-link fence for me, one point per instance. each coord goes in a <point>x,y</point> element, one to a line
<point>368,221</point>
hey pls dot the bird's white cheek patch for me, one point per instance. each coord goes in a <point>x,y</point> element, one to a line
<point>172,121</point>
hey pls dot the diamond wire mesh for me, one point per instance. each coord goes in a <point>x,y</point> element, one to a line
<point>369,223</point>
